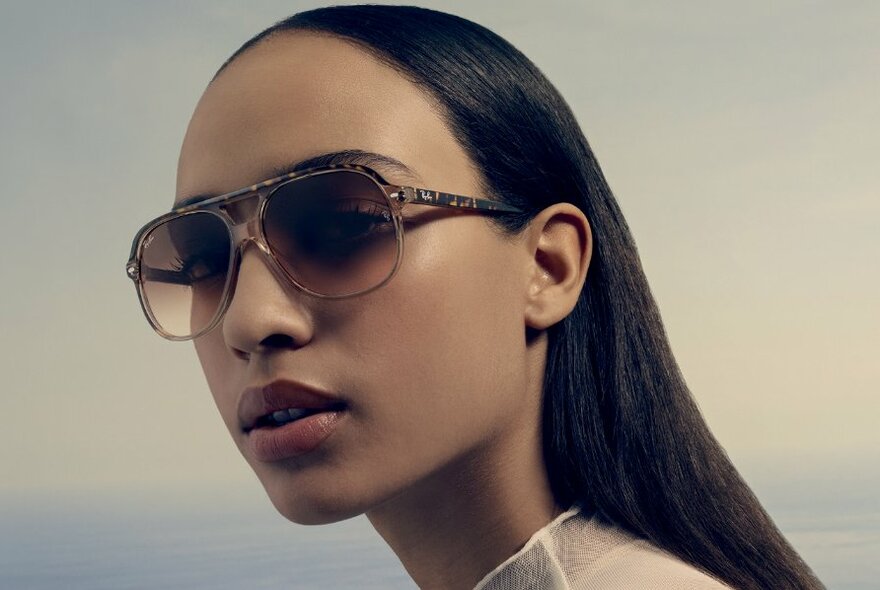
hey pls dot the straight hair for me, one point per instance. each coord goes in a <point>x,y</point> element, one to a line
<point>622,435</point>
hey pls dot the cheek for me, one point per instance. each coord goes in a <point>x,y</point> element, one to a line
<point>222,372</point>
<point>444,347</point>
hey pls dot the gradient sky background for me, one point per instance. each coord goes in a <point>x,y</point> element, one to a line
<point>741,141</point>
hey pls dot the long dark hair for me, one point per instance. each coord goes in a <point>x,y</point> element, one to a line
<point>623,437</point>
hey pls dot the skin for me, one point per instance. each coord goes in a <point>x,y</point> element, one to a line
<point>441,445</point>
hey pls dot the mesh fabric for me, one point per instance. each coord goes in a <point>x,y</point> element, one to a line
<point>574,552</point>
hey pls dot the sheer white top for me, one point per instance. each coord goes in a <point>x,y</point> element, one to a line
<point>574,552</point>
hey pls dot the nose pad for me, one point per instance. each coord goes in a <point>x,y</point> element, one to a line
<point>247,234</point>
<point>264,309</point>
<point>241,211</point>
<point>245,231</point>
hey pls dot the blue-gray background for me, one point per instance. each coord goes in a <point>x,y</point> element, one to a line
<point>741,140</point>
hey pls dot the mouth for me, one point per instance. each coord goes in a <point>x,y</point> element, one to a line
<point>286,419</point>
<point>279,418</point>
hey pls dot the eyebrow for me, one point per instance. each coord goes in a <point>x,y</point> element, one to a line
<point>379,162</point>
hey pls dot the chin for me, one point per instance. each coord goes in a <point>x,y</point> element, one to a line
<point>308,505</point>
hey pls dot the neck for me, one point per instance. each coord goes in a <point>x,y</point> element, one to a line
<point>452,529</point>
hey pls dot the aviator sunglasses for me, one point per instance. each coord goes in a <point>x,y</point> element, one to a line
<point>333,232</point>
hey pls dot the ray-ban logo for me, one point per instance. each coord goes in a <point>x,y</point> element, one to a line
<point>148,241</point>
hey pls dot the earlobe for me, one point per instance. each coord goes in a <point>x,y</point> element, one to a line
<point>560,243</point>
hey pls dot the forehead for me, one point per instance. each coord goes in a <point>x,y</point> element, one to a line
<point>297,95</point>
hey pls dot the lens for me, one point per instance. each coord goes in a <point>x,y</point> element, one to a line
<point>184,271</point>
<point>333,232</point>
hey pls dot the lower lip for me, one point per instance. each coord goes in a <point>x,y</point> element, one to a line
<point>294,438</point>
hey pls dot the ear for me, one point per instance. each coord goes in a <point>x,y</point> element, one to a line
<point>560,244</point>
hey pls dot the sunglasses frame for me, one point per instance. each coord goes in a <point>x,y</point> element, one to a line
<point>252,229</point>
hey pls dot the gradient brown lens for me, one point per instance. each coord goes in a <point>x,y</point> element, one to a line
<point>333,232</point>
<point>184,271</point>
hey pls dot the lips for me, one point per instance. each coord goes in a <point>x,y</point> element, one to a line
<point>282,402</point>
<point>286,419</point>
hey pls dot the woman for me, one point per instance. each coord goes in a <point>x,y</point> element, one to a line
<point>498,396</point>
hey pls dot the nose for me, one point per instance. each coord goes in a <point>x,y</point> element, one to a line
<point>266,311</point>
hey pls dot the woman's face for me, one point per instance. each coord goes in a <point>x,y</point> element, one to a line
<point>432,368</point>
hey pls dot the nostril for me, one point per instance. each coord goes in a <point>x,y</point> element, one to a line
<point>240,354</point>
<point>277,341</point>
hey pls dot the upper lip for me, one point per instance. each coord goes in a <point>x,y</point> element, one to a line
<point>282,394</point>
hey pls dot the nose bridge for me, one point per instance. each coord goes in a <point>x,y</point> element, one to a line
<point>244,222</point>
<point>242,209</point>
<point>260,302</point>
<point>248,232</point>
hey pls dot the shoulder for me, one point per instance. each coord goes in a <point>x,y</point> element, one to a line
<point>617,560</point>
<point>642,565</point>
<point>576,552</point>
